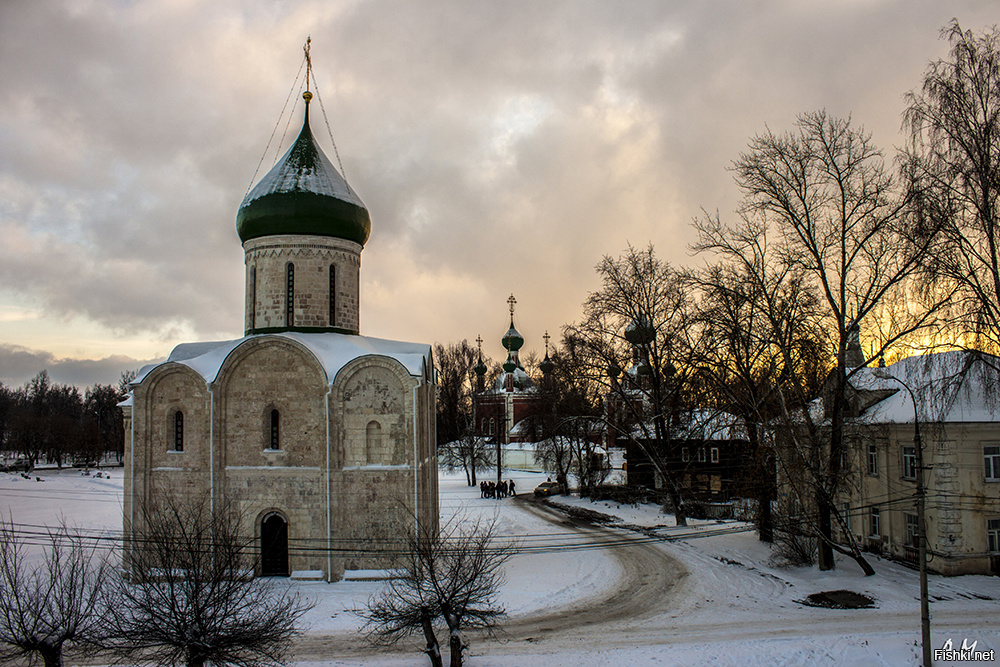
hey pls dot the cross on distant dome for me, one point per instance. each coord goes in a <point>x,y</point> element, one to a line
<point>479,341</point>
<point>511,301</point>
<point>546,337</point>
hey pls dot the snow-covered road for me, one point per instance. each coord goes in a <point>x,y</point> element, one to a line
<point>574,600</point>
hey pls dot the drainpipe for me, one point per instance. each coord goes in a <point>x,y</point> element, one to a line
<point>416,462</point>
<point>131,491</point>
<point>329,518</point>
<point>211,450</point>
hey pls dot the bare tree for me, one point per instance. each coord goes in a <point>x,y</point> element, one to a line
<point>844,233</point>
<point>457,441</point>
<point>742,367</point>
<point>470,452</point>
<point>47,604</point>
<point>452,577</point>
<point>954,160</point>
<point>636,341</point>
<point>192,597</point>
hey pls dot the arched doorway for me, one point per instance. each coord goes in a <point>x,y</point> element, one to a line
<point>274,546</point>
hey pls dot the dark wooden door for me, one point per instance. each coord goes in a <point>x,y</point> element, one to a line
<point>274,546</point>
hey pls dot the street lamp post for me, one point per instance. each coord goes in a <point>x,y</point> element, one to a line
<point>918,446</point>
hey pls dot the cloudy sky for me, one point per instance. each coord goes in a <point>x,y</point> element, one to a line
<point>500,147</point>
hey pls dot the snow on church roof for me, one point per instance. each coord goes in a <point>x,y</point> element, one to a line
<point>332,350</point>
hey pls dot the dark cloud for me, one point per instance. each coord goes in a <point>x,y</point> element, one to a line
<point>501,147</point>
<point>20,364</point>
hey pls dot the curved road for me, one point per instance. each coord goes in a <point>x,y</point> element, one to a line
<point>648,580</point>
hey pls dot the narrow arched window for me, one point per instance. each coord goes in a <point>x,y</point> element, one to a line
<point>333,295</point>
<point>253,297</point>
<point>290,294</point>
<point>178,431</point>
<point>373,443</point>
<point>275,442</point>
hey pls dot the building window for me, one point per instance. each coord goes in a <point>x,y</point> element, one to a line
<point>373,443</point>
<point>845,514</point>
<point>993,534</point>
<point>701,455</point>
<point>493,425</point>
<point>912,530</point>
<point>874,522</point>
<point>253,297</point>
<point>909,463</point>
<point>333,295</point>
<point>290,294</point>
<point>991,459</point>
<point>178,431</point>
<point>685,454</point>
<point>794,508</point>
<point>715,454</point>
<point>275,442</point>
<point>873,460</point>
<point>484,427</point>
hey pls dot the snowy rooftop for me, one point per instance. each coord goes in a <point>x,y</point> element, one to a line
<point>333,351</point>
<point>950,387</point>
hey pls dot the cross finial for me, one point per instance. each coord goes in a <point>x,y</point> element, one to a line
<point>511,301</point>
<point>479,341</point>
<point>306,47</point>
<point>546,337</point>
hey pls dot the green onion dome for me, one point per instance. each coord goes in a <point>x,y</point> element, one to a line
<point>480,368</point>
<point>512,340</point>
<point>303,194</point>
<point>546,366</point>
<point>639,331</point>
<point>510,364</point>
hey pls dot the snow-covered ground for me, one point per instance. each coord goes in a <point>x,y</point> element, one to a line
<point>728,605</point>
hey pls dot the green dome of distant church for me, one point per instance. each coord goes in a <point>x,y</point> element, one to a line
<point>303,194</point>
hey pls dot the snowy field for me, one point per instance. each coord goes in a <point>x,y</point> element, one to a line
<point>709,599</point>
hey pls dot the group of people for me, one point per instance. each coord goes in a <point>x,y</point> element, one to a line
<point>497,490</point>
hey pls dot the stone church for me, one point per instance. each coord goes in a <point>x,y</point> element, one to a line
<point>323,439</point>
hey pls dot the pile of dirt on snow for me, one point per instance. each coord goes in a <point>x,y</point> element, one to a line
<point>838,600</point>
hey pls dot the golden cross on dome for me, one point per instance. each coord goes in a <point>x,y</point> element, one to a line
<point>511,301</point>
<point>307,96</point>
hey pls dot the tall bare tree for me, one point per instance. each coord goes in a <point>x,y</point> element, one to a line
<point>48,603</point>
<point>458,444</point>
<point>844,230</point>
<point>638,342</point>
<point>954,159</point>
<point>451,577</point>
<point>192,597</point>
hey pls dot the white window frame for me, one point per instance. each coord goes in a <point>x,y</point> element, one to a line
<point>685,454</point>
<point>873,460</point>
<point>991,463</point>
<point>912,523</point>
<point>909,461</point>
<point>715,454</point>
<point>875,522</point>
<point>993,535</point>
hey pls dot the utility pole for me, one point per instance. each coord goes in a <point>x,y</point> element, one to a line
<point>918,449</point>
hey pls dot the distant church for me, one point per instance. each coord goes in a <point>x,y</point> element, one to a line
<point>323,438</point>
<point>501,411</point>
